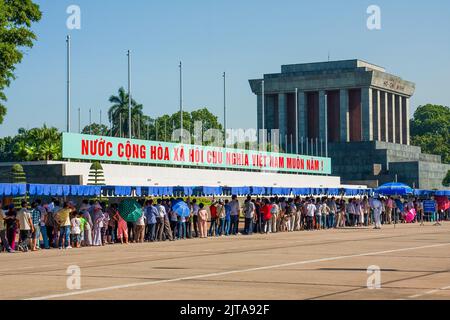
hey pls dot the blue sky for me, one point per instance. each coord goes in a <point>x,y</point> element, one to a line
<point>245,38</point>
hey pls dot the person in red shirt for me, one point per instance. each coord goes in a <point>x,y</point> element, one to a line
<point>214,225</point>
<point>266,214</point>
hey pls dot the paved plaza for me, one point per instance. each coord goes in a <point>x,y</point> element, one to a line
<point>414,262</point>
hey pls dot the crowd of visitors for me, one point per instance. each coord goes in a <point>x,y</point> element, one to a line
<point>65,225</point>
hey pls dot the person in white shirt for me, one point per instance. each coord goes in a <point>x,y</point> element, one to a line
<point>25,225</point>
<point>377,207</point>
<point>318,215</point>
<point>310,213</point>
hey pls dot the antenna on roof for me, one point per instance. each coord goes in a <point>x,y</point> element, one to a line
<point>328,56</point>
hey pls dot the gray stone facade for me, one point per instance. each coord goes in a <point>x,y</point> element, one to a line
<point>375,163</point>
<point>372,106</point>
<point>359,109</point>
<point>40,173</point>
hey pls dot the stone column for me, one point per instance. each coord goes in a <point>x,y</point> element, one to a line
<point>392,110</point>
<point>376,115</point>
<point>302,127</point>
<point>366,114</point>
<point>384,116</point>
<point>322,124</point>
<point>282,117</point>
<point>406,133</point>
<point>344,116</point>
<point>399,119</point>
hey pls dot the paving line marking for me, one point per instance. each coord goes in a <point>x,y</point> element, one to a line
<point>428,292</point>
<point>148,283</point>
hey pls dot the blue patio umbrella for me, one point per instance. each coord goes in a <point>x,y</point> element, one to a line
<point>181,209</point>
<point>394,189</point>
<point>130,210</point>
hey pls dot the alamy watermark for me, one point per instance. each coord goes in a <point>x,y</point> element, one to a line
<point>374,19</point>
<point>374,279</point>
<point>73,281</point>
<point>73,21</point>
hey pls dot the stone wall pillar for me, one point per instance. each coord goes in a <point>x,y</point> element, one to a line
<point>367,114</point>
<point>344,116</point>
<point>282,117</point>
<point>398,119</point>
<point>322,124</point>
<point>376,119</point>
<point>302,126</point>
<point>406,128</point>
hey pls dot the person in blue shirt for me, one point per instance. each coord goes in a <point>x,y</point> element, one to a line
<point>151,212</point>
<point>399,209</point>
<point>227,217</point>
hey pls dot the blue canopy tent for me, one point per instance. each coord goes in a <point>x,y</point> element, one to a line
<point>7,189</point>
<point>394,189</point>
<point>12,190</point>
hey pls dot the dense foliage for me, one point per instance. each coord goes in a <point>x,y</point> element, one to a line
<point>45,143</point>
<point>16,17</point>
<point>430,130</point>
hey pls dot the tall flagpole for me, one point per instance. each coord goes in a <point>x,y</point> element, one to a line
<point>129,94</point>
<point>90,121</point>
<point>225,109</point>
<point>181,99</point>
<point>263,111</point>
<point>79,120</point>
<point>68,83</point>
<point>296,120</point>
<point>326,125</point>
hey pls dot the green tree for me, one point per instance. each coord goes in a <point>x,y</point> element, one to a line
<point>166,124</point>
<point>18,176</point>
<point>118,115</point>
<point>430,130</point>
<point>37,144</point>
<point>16,17</point>
<point>96,176</point>
<point>96,130</point>
<point>446,181</point>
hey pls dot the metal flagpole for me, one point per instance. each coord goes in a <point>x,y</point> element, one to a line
<point>225,109</point>
<point>317,147</point>
<point>139,127</point>
<point>156,130</point>
<point>181,98</point>
<point>120,125</point>
<point>307,146</point>
<point>100,117</point>
<point>79,120</point>
<point>302,147</point>
<point>326,125</point>
<point>129,93</point>
<point>296,120</point>
<point>90,121</point>
<point>292,145</point>
<point>286,143</point>
<point>263,111</point>
<point>68,82</point>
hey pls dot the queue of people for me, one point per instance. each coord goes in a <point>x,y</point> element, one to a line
<point>65,225</point>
